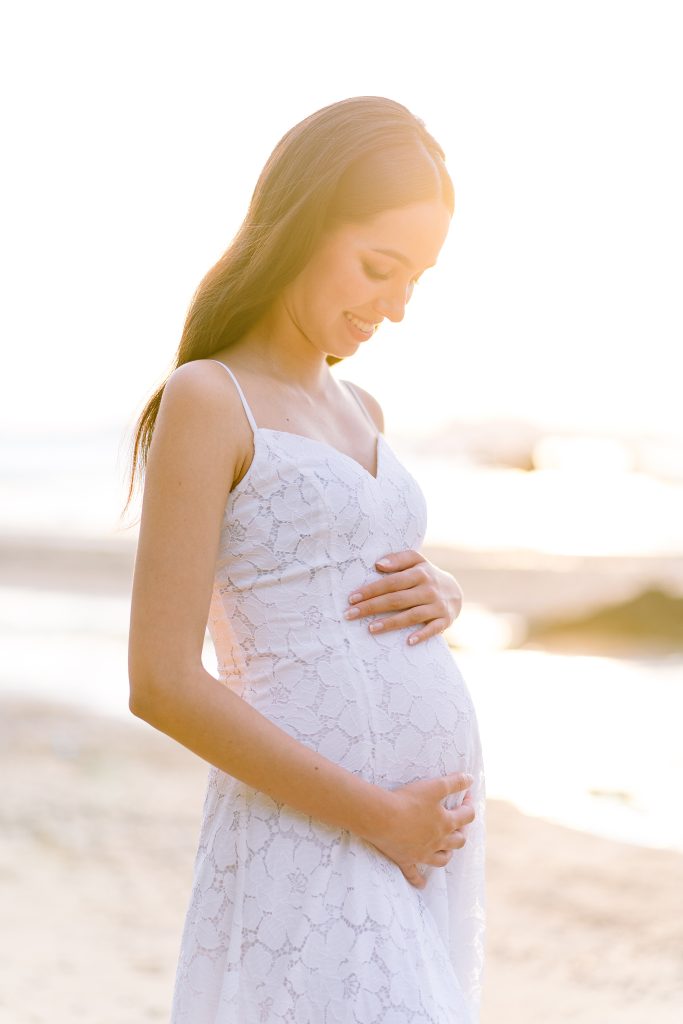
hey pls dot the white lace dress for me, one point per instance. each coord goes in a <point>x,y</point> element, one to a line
<point>292,921</point>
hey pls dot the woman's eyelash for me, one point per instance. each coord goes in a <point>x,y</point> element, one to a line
<point>376,276</point>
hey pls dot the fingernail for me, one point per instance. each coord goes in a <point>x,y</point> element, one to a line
<point>352,613</point>
<point>355,597</point>
<point>375,627</point>
<point>384,562</point>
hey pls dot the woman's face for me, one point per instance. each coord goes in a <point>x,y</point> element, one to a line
<point>363,273</point>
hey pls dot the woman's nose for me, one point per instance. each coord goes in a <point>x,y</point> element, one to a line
<point>393,306</point>
<point>396,312</point>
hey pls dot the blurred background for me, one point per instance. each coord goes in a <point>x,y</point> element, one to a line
<point>533,389</point>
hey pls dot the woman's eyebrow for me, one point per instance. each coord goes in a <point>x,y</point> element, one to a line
<point>398,256</point>
<point>395,255</point>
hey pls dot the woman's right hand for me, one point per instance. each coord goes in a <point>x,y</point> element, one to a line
<point>419,829</point>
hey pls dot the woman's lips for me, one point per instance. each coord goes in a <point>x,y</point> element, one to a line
<point>362,328</point>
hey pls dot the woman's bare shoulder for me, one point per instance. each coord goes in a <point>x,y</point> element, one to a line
<point>207,389</point>
<point>200,375</point>
<point>201,409</point>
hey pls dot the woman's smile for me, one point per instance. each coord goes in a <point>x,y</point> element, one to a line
<point>361,329</point>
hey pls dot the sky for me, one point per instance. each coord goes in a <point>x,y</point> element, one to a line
<point>136,132</point>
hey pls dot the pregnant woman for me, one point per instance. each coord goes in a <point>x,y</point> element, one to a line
<point>340,872</point>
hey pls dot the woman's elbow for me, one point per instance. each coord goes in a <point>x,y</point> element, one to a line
<point>152,689</point>
<point>139,699</point>
<point>144,689</point>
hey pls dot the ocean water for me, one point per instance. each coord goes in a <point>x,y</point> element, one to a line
<point>589,742</point>
<point>66,485</point>
<point>75,486</point>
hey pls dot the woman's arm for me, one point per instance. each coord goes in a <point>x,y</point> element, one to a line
<point>193,459</point>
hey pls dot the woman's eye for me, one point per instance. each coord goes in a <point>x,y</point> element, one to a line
<point>375,274</point>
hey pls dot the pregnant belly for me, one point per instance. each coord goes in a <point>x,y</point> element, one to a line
<point>389,712</point>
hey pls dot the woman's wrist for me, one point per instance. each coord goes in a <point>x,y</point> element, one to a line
<point>374,810</point>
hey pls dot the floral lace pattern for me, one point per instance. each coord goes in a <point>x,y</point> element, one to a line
<point>290,920</point>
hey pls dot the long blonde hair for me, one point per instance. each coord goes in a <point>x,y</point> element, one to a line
<point>345,163</point>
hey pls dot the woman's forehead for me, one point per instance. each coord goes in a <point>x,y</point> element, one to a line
<point>413,235</point>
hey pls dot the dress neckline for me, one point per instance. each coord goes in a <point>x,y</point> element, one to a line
<point>305,437</point>
<point>326,444</point>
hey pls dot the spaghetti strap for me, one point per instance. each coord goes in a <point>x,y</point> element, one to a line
<point>245,404</point>
<point>352,389</point>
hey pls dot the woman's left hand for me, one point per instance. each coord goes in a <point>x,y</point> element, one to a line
<point>414,590</point>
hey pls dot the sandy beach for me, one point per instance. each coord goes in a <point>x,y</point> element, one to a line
<point>100,814</point>
<point>99,828</point>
